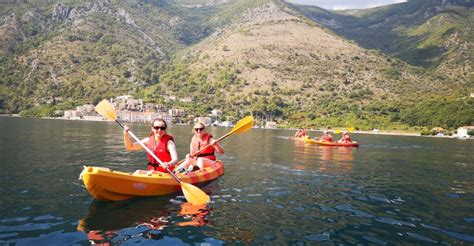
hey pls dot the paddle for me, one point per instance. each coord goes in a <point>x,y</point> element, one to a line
<point>242,126</point>
<point>350,129</point>
<point>192,193</point>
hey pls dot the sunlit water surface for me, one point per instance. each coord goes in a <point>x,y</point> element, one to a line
<point>275,190</point>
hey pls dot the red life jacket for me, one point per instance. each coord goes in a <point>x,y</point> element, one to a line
<point>347,139</point>
<point>161,151</point>
<point>197,144</point>
<point>327,138</point>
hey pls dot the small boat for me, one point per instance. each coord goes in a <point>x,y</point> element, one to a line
<point>108,185</point>
<point>326,143</point>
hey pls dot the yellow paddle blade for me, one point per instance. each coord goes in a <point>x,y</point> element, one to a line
<point>243,125</point>
<point>337,131</point>
<point>350,129</point>
<point>106,109</point>
<point>194,195</point>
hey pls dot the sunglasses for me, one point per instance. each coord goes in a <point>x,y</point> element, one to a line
<point>159,128</point>
<point>199,129</point>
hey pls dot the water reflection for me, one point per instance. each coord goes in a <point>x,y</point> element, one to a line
<point>112,222</point>
<point>327,159</point>
<point>336,160</point>
<point>196,214</point>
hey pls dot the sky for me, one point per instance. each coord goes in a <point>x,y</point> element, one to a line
<point>346,4</point>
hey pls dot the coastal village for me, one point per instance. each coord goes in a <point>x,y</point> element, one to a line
<point>130,109</point>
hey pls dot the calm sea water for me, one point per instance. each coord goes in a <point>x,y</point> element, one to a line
<point>390,190</point>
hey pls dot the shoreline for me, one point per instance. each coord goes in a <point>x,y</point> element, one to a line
<point>394,133</point>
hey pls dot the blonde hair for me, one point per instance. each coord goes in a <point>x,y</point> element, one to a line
<point>200,123</point>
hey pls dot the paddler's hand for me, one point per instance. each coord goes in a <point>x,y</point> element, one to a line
<point>165,164</point>
<point>213,142</point>
<point>125,130</point>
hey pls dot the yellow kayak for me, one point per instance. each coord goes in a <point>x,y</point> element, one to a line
<point>108,185</point>
<point>325,143</point>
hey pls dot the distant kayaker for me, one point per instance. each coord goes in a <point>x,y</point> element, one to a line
<point>345,138</point>
<point>326,136</point>
<point>159,142</point>
<point>300,133</point>
<point>204,158</point>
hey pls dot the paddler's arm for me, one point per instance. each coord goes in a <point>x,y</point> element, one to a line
<point>129,145</point>
<point>174,154</point>
<point>217,146</point>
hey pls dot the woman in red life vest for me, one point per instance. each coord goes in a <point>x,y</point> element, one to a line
<point>345,138</point>
<point>326,136</point>
<point>206,157</point>
<point>159,142</point>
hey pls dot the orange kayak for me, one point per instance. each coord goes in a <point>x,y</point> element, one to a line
<point>325,143</point>
<point>108,185</point>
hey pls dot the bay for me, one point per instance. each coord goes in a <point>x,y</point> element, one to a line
<point>390,190</point>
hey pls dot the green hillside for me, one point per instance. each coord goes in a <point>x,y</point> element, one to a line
<point>433,34</point>
<point>278,65</point>
<point>301,66</point>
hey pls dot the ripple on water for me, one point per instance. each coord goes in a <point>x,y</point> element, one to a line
<point>7,235</point>
<point>44,217</point>
<point>279,193</point>
<point>318,237</point>
<point>58,237</point>
<point>133,231</point>
<point>29,227</point>
<point>15,219</point>
<point>457,235</point>
<point>379,198</point>
<point>375,240</point>
<point>394,222</point>
<point>420,237</point>
<point>349,208</point>
<point>471,220</point>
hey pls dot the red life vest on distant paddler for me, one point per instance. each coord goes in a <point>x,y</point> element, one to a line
<point>197,144</point>
<point>160,149</point>
<point>347,139</point>
<point>327,138</point>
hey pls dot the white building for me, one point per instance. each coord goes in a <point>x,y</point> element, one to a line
<point>135,104</point>
<point>216,113</point>
<point>92,117</point>
<point>177,112</point>
<point>463,131</point>
<point>86,108</point>
<point>271,124</point>
<point>72,114</point>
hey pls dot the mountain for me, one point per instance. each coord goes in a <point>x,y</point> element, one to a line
<point>435,34</point>
<point>275,63</point>
<point>265,57</point>
<point>92,49</point>
<point>84,50</point>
